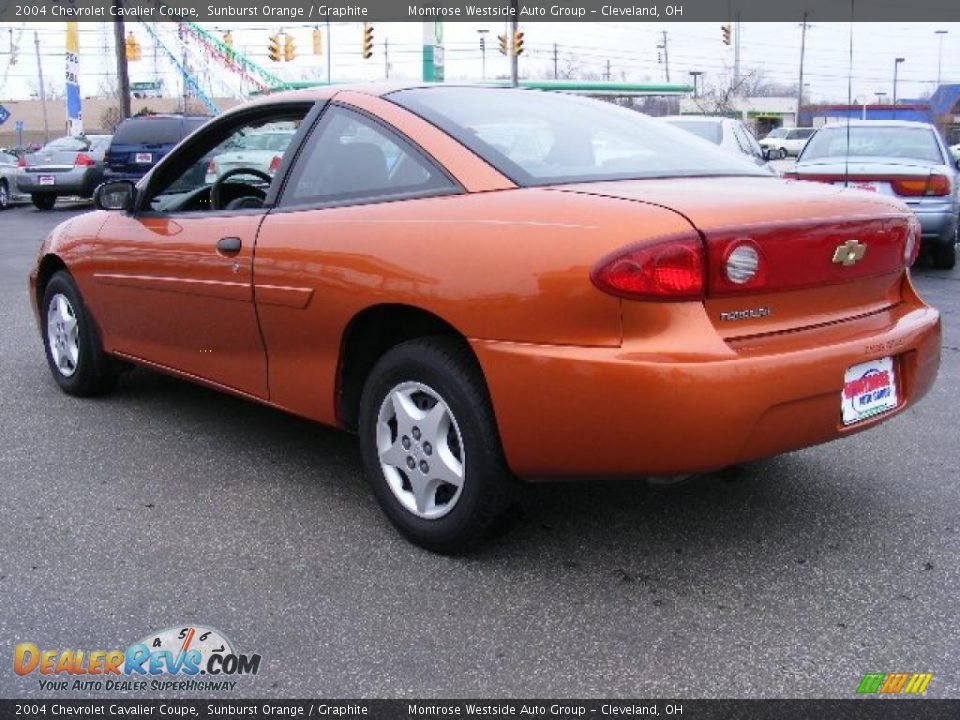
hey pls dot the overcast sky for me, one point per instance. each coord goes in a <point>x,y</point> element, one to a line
<point>631,49</point>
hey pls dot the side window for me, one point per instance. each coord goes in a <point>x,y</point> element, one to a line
<point>350,158</point>
<point>228,166</point>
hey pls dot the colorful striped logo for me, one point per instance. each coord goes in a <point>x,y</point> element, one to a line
<point>894,683</point>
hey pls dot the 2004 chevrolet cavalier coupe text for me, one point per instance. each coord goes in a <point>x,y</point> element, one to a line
<point>490,284</point>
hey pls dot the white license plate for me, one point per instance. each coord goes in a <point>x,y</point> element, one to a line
<point>869,389</point>
<point>47,180</point>
<point>144,157</point>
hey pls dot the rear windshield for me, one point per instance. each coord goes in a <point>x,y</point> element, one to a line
<point>541,138</point>
<point>777,133</point>
<point>707,130</point>
<point>889,142</point>
<point>66,144</point>
<point>155,130</point>
<point>262,141</point>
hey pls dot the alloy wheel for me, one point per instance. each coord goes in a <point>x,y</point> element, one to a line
<point>63,338</point>
<point>420,450</point>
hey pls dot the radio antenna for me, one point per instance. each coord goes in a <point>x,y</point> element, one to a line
<point>846,154</point>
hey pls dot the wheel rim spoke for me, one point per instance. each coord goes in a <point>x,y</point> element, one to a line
<point>63,335</point>
<point>420,450</point>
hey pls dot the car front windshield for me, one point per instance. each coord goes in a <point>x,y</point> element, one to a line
<point>887,142</point>
<point>542,138</point>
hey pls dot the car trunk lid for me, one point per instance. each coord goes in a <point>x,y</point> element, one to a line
<point>824,253</point>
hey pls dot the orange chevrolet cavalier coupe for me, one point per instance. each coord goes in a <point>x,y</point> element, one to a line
<point>488,284</point>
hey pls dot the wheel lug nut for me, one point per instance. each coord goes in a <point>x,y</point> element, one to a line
<point>411,463</point>
<point>405,441</point>
<point>416,433</point>
<point>427,449</point>
<point>424,468</point>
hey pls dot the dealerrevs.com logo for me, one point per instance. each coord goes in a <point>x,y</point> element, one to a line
<point>172,659</point>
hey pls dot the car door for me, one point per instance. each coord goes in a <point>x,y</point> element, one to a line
<point>357,183</point>
<point>173,279</point>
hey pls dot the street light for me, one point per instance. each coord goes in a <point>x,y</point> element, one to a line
<point>696,75</point>
<point>880,96</point>
<point>483,51</point>
<point>896,66</point>
<point>941,33</point>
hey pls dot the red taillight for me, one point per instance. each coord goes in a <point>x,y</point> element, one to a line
<point>84,160</point>
<point>274,165</point>
<point>790,175</point>
<point>21,161</point>
<point>211,167</point>
<point>937,185</point>
<point>669,269</point>
<point>911,247</point>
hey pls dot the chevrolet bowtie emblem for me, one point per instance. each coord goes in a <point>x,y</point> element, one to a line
<point>849,252</point>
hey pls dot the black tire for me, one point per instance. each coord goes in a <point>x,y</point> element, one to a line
<point>446,366</point>
<point>944,256</point>
<point>4,195</point>
<point>93,373</point>
<point>44,201</point>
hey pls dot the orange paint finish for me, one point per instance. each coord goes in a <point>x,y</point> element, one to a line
<point>678,401</point>
<point>476,261</point>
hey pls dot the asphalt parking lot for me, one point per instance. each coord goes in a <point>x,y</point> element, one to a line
<point>166,503</point>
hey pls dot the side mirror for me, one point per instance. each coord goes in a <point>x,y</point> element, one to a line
<point>766,153</point>
<point>116,195</point>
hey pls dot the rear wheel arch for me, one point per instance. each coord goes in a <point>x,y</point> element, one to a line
<point>369,335</point>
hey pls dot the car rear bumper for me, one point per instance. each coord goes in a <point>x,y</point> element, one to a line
<point>938,226</point>
<point>595,412</point>
<point>73,182</point>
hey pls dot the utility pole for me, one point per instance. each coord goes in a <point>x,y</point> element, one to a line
<point>120,49</point>
<point>896,66</point>
<point>736,51</point>
<point>606,73</point>
<point>43,92</point>
<point>329,43</point>
<point>666,56</point>
<point>803,49</point>
<point>386,58</point>
<point>940,34</point>
<point>514,59</point>
<point>556,74</point>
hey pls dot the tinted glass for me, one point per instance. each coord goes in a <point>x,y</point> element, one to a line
<point>352,158</point>
<point>711,131</point>
<point>891,142</point>
<point>150,131</point>
<point>539,138</point>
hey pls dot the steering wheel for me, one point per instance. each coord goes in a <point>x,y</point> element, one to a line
<point>216,188</point>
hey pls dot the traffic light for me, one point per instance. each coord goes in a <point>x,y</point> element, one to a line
<point>273,49</point>
<point>132,48</point>
<point>289,47</point>
<point>725,32</point>
<point>518,43</point>
<point>367,46</point>
<point>317,42</point>
<point>503,44</point>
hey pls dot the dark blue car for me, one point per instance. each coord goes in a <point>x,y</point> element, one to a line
<point>139,143</point>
